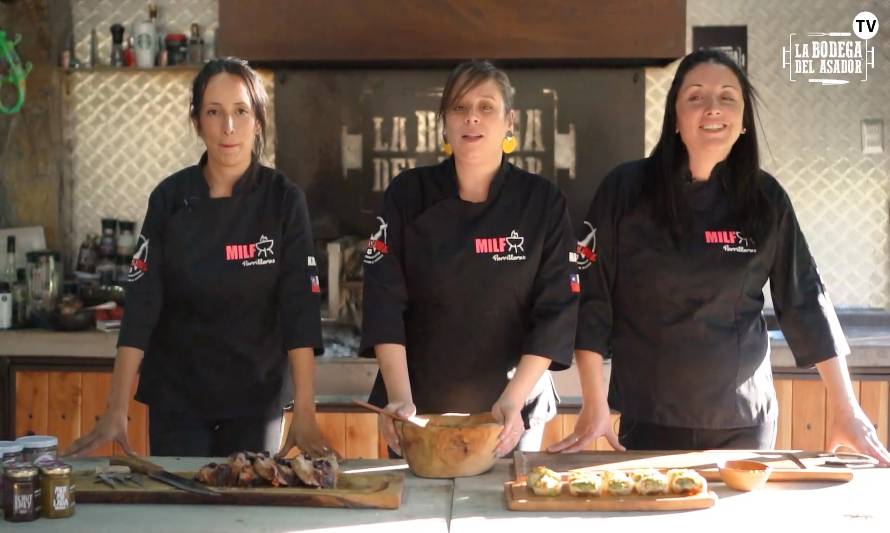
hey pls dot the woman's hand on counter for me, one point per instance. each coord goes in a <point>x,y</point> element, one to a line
<point>305,434</point>
<point>851,428</point>
<point>387,428</point>
<point>111,427</point>
<point>594,421</point>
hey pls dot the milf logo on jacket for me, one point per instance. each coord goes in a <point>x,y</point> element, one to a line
<point>510,248</point>
<point>732,241</point>
<point>252,254</point>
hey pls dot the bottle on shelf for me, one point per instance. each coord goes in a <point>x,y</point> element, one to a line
<point>9,267</point>
<point>108,241</point>
<point>87,255</point>
<point>196,46</point>
<point>20,300</point>
<point>117,45</point>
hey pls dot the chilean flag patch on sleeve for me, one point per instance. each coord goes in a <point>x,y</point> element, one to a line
<point>575,283</point>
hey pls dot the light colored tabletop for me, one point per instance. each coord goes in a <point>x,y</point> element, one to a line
<point>859,505</point>
<point>426,506</point>
<point>476,505</point>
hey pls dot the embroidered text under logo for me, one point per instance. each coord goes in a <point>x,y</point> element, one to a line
<point>511,247</point>
<point>251,254</point>
<point>732,240</point>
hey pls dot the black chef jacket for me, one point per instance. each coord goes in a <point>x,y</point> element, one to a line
<point>219,289</point>
<point>684,324</point>
<point>468,288</point>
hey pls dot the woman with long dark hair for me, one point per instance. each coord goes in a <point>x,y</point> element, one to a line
<point>679,249</point>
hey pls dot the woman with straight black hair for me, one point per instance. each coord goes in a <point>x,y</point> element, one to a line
<point>678,250</point>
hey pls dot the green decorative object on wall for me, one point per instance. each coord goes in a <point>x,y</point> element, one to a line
<point>16,72</point>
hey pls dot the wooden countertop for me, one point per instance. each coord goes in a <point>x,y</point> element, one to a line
<point>870,346</point>
<point>340,379</point>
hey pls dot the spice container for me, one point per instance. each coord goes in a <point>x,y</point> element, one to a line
<point>108,242</point>
<point>39,448</point>
<point>126,241</point>
<point>195,46</point>
<point>21,494</point>
<point>56,490</point>
<point>177,49</point>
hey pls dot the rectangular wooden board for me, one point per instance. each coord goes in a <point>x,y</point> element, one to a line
<point>355,491</point>
<point>520,498</point>
<point>705,462</point>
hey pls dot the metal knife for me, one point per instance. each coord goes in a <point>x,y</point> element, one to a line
<point>796,460</point>
<point>157,473</point>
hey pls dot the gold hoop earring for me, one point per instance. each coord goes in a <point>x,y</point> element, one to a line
<point>509,144</point>
<point>446,148</point>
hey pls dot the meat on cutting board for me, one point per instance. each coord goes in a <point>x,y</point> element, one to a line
<point>251,469</point>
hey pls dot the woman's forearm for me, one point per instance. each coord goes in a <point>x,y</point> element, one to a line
<point>590,372</point>
<point>393,363</point>
<point>126,366</point>
<point>836,378</point>
<point>302,366</point>
<point>528,372</point>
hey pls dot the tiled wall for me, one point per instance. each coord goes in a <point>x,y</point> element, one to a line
<point>126,130</point>
<point>811,137</point>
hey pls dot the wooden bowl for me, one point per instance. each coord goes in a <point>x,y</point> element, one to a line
<point>744,475</point>
<point>450,445</point>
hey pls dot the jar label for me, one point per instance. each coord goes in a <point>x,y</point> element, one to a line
<point>60,497</point>
<point>23,504</point>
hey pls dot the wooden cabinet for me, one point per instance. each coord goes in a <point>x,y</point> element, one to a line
<point>353,435</point>
<point>804,415</point>
<point>68,403</point>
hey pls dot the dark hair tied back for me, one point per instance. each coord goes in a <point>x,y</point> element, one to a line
<point>259,99</point>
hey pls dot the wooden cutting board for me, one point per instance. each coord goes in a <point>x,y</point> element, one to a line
<point>520,498</point>
<point>355,491</point>
<point>782,462</point>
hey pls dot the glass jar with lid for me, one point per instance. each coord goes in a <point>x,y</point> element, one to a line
<point>21,495</point>
<point>56,489</point>
<point>10,453</point>
<point>39,448</point>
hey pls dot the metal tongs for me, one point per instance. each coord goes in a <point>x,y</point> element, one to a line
<point>118,475</point>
